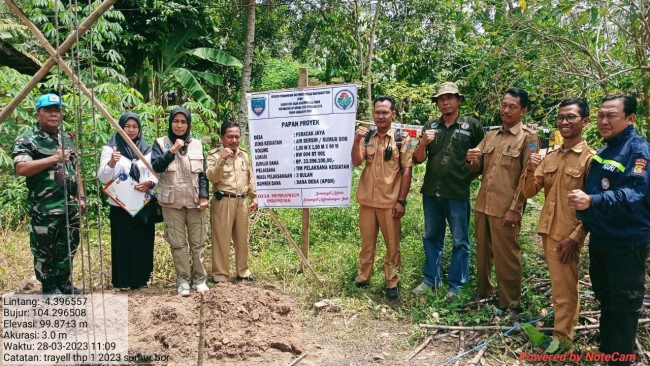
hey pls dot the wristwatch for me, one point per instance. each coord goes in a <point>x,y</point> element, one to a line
<point>402,202</point>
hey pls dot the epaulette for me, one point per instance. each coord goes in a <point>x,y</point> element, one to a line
<point>242,149</point>
<point>213,151</point>
<point>528,129</point>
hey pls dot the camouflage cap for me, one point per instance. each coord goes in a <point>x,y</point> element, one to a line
<point>48,100</point>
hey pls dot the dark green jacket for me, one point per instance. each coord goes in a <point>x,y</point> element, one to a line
<point>446,174</point>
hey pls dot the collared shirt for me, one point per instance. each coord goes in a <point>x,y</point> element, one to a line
<point>381,179</point>
<point>559,173</point>
<point>619,184</point>
<point>46,188</point>
<point>446,175</point>
<point>232,175</point>
<point>504,154</point>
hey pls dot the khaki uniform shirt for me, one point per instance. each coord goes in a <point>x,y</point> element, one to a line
<point>233,175</point>
<point>559,173</point>
<point>381,180</point>
<point>504,155</point>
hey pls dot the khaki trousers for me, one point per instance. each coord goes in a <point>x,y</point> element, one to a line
<point>229,221</point>
<point>497,244</point>
<point>564,287</point>
<point>370,221</point>
<point>183,225</point>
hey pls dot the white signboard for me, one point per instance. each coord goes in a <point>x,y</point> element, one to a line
<point>300,144</point>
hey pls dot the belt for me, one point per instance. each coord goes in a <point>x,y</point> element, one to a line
<point>230,195</point>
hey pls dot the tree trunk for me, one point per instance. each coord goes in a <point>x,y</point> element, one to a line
<point>248,64</point>
<point>371,44</point>
<point>357,20</point>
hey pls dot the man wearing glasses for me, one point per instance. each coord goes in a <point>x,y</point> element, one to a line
<point>615,208</point>
<point>563,235</point>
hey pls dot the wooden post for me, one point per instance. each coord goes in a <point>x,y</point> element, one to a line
<point>78,81</point>
<point>64,47</point>
<point>303,82</point>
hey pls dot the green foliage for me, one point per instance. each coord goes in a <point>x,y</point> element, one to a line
<point>536,337</point>
<point>278,74</point>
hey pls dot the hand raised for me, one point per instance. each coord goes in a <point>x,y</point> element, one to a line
<point>473,155</point>
<point>61,155</point>
<point>534,161</point>
<point>428,136</point>
<point>177,145</point>
<point>227,153</point>
<point>361,133</point>
<point>115,157</point>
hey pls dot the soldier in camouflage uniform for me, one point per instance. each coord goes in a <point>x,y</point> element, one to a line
<point>48,159</point>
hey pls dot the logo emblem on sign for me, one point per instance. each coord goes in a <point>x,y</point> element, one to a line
<point>344,99</point>
<point>258,105</point>
<point>605,183</point>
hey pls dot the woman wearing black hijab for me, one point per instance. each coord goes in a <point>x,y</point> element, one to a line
<point>131,241</point>
<point>183,195</point>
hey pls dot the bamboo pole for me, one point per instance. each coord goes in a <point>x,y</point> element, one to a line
<point>65,46</point>
<point>64,66</point>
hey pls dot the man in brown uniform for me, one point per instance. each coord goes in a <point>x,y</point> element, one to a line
<point>229,169</point>
<point>563,236</point>
<point>501,157</point>
<point>382,191</point>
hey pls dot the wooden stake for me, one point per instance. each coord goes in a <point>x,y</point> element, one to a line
<point>303,82</point>
<point>420,347</point>
<point>199,360</point>
<point>64,47</point>
<point>303,260</point>
<point>295,362</point>
<point>499,327</point>
<point>478,356</point>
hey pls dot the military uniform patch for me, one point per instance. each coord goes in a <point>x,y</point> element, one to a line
<point>464,126</point>
<point>532,146</point>
<point>604,183</point>
<point>434,125</point>
<point>639,166</point>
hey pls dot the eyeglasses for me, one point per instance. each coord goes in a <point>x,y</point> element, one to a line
<point>570,118</point>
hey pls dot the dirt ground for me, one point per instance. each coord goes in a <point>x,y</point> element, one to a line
<point>248,324</point>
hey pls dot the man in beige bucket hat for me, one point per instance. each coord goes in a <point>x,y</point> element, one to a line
<point>445,191</point>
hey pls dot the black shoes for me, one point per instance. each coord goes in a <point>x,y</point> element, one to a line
<point>50,287</point>
<point>251,278</point>
<point>392,293</point>
<point>65,285</point>
<point>358,284</point>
